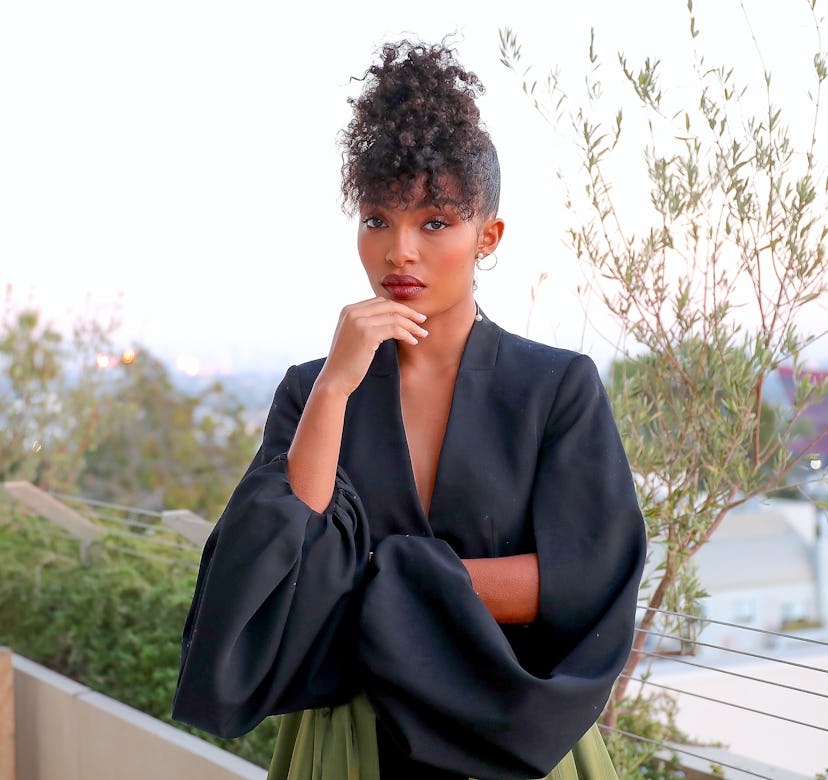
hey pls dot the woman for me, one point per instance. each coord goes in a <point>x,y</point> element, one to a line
<point>440,528</point>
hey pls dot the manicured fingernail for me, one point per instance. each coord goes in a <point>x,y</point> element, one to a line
<point>423,317</point>
<point>423,332</point>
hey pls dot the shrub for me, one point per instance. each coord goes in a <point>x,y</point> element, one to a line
<point>112,622</point>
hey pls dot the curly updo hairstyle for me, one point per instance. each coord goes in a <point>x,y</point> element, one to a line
<point>417,117</point>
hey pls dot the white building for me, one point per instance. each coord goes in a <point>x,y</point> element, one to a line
<point>766,568</point>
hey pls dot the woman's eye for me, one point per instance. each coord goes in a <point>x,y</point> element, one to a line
<point>372,222</point>
<point>435,224</point>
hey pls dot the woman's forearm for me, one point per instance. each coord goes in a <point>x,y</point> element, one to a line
<point>509,587</point>
<point>314,452</point>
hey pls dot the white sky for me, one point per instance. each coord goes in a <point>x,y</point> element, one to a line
<point>179,156</point>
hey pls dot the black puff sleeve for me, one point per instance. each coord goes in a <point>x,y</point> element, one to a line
<point>272,625</point>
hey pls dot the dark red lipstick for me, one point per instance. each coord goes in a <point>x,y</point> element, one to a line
<point>402,286</point>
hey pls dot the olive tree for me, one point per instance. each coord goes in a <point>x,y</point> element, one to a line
<point>708,284</point>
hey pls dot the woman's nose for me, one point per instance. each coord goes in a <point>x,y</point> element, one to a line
<point>402,249</point>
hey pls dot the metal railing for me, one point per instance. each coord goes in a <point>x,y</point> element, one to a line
<point>682,751</point>
<point>717,660</point>
<point>118,521</point>
<point>89,520</point>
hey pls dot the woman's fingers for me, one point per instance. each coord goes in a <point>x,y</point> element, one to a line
<point>362,327</point>
<point>381,319</point>
<point>374,306</point>
<point>392,325</point>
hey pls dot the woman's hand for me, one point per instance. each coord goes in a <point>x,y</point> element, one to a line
<point>314,452</point>
<point>362,327</point>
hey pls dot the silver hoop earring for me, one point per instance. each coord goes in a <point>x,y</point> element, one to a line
<point>480,256</point>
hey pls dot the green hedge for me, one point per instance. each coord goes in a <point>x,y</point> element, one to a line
<point>112,622</point>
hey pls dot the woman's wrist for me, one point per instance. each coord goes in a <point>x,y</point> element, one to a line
<point>330,388</point>
<point>314,452</point>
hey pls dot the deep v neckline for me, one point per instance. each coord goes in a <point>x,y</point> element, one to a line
<point>411,482</point>
<point>425,514</point>
<point>479,354</point>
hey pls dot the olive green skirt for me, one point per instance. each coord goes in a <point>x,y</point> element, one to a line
<point>340,743</point>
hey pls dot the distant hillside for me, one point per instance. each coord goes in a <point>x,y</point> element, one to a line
<point>254,389</point>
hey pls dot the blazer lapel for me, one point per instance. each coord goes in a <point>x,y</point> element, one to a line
<point>458,467</point>
<point>375,451</point>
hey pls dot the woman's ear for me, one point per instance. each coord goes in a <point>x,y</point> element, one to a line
<point>489,235</point>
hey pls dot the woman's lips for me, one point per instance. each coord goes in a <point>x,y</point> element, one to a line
<point>402,286</point>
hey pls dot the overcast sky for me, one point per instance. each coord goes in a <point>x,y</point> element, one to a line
<point>179,156</point>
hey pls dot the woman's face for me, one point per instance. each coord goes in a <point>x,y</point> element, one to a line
<point>421,255</point>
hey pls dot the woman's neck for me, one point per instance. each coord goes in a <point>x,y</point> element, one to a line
<point>446,340</point>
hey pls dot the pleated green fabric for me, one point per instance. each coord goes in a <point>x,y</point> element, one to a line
<point>588,760</point>
<point>330,743</point>
<point>340,743</point>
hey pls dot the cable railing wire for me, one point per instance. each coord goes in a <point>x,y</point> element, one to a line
<point>722,701</point>
<point>124,521</point>
<point>148,556</point>
<point>62,533</point>
<point>733,674</point>
<point>734,650</point>
<point>160,542</point>
<point>109,518</point>
<point>106,504</point>
<point>656,743</point>
<point>155,528</point>
<point>734,625</point>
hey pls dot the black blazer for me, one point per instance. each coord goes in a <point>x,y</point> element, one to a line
<point>290,611</point>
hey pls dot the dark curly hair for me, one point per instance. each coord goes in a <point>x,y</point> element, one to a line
<point>417,117</point>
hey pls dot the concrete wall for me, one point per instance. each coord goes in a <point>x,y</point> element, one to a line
<point>65,731</point>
